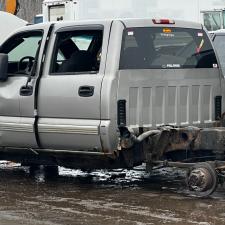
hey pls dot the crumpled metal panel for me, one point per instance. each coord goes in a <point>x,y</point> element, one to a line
<point>189,138</point>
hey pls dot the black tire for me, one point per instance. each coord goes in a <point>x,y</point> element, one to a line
<point>33,169</point>
<point>51,171</point>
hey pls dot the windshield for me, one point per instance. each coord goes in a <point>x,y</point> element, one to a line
<point>212,20</point>
<point>166,48</point>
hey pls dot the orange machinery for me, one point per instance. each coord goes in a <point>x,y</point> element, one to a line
<point>11,6</point>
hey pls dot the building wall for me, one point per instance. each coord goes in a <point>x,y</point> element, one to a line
<point>2,4</point>
<point>29,8</point>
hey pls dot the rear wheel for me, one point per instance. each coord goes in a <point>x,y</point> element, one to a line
<point>202,179</point>
<point>51,171</point>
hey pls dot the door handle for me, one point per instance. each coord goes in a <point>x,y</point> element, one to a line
<point>86,91</point>
<point>26,90</point>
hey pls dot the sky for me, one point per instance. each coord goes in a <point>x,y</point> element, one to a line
<point>174,9</point>
<point>184,9</point>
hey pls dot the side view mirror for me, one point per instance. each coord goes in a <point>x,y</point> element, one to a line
<point>3,67</point>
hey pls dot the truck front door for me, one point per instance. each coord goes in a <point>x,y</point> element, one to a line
<point>16,104</point>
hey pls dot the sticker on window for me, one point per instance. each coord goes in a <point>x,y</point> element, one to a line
<point>166,35</point>
<point>130,33</point>
<point>200,34</point>
<point>171,66</point>
<point>200,46</point>
<point>167,30</point>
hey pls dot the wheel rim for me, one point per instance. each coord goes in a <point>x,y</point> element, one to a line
<point>202,179</point>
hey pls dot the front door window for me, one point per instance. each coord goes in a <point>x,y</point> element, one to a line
<point>22,51</point>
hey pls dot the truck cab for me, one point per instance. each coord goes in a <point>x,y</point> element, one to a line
<point>213,19</point>
<point>109,94</point>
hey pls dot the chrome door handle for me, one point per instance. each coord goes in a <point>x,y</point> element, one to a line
<point>86,91</point>
<point>26,90</point>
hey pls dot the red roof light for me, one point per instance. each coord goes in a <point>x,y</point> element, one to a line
<point>163,21</point>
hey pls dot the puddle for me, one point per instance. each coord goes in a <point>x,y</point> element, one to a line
<point>103,197</point>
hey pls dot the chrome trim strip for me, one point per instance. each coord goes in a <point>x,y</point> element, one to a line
<point>68,129</point>
<point>16,127</point>
<point>36,151</point>
<point>49,128</point>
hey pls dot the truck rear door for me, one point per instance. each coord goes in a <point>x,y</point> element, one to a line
<point>70,89</point>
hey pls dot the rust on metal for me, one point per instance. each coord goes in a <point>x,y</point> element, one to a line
<point>188,138</point>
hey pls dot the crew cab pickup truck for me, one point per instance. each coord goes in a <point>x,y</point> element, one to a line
<point>114,94</point>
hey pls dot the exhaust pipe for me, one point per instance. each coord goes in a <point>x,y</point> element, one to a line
<point>128,138</point>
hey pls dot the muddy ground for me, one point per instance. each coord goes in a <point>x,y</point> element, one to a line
<point>103,198</point>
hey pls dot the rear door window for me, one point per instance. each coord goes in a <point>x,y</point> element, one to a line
<point>77,51</point>
<point>166,48</point>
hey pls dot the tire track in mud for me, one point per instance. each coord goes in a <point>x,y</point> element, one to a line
<point>104,197</point>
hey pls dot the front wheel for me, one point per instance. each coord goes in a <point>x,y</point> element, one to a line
<point>47,171</point>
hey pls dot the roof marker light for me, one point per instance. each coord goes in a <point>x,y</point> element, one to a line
<point>163,21</point>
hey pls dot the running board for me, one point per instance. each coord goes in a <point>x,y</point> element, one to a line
<point>36,151</point>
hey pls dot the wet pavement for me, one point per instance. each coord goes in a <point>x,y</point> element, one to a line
<point>103,198</point>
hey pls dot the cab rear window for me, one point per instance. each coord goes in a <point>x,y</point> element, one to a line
<point>166,48</point>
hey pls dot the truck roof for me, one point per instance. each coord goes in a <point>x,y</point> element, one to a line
<point>129,23</point>
<point>149,22</point>
<point>220,31</point>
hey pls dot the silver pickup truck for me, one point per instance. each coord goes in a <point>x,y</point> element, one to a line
<point>114,94</point>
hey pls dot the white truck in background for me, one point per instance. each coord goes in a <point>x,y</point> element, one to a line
<point>213,19</point>
<point>58,10</point>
